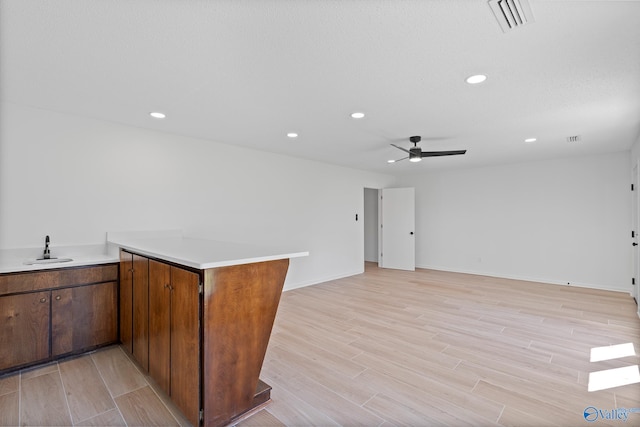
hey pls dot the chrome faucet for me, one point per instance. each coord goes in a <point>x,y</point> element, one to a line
<point>47,253</point>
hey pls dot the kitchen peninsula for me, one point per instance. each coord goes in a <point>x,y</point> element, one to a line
<point>197,316</point>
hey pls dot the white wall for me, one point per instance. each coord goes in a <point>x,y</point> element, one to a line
<point>371,225</point>
<point>75,178</point>
<point>558,221</point>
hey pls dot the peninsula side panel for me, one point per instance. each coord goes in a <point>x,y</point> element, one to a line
<point>240,304</point>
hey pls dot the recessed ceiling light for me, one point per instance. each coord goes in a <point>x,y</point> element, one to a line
<point>357,115</point>
<point>530,140</point>
<point>391,161</point>
<point>292,135</point>
<point>478,78</point>
<point>157,115</point>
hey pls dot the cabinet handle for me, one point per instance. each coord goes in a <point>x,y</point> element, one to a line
<point>43,300</point>
<point>58,297</point>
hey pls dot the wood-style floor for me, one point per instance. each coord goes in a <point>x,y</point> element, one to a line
<point>104,388</point>
<point>433,348</point>
<point>388,348</point>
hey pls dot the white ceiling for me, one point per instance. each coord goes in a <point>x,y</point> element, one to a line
<point>247,72</point>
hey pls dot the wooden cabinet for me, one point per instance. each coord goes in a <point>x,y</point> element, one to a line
<point>141,311</point>
<point>208,332</point>
<point>134,306</point>
<point>185,342</point>
<point>174,335</point>
<point>160,324</point>
<point>126,301</point>
<point>24,332</point>
<point>51,313</point>
<point>93,307</point>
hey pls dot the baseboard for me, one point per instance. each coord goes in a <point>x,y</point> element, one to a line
<point>524,278</point>
<point>292,286</point>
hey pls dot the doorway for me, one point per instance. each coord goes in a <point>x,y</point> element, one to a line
<point>371,253</point>
<point>389,222</point>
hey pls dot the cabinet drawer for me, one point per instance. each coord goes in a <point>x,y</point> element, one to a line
<point>72,276</point>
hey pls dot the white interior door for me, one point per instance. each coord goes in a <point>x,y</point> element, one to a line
<point>397,224</point>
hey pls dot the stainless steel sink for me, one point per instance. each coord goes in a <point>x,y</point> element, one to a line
<point>47,261</point>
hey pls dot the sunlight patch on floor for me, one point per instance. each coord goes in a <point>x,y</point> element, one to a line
<point>609,352</point>
<point>609,378</point>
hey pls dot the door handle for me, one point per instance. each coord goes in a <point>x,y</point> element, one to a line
<point>411,233</point>
<point>634,244</point>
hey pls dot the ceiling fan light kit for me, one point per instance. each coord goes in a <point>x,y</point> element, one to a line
<point>416,154</point>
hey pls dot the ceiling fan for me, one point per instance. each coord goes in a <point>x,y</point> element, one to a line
<point>416,154</point>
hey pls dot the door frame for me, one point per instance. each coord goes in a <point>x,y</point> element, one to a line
<point>635,223</point>
<point>366,217</point>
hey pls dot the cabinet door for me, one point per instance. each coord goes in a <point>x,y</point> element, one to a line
<point>24,336</point>
<point>126,300</point>
<point>83,317</point>
<point>185,338</point>
<point>141,310</point>
<point>160,323</point>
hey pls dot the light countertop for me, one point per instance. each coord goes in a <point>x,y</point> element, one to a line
<point>13,260</point>
<point>201,253</point>
<point>166,245</point>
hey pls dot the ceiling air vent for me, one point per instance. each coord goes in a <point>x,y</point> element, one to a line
<point>574,138</point>
<point>511,14</point>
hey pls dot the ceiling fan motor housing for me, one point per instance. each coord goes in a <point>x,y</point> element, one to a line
<point>415,153</point>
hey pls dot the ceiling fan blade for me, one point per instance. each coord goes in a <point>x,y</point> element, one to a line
<point>396,161</point>
<point>442,153</point>
<point>400,148</point>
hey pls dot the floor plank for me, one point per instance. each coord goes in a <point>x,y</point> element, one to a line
<point>111,418</point>
<point>143,408</point>
<point>9,384</point>
<point>261,419</point>
<point>43,402</point>
<point>87,395</point>
<point>118,372</point>
<point>9,409</point>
